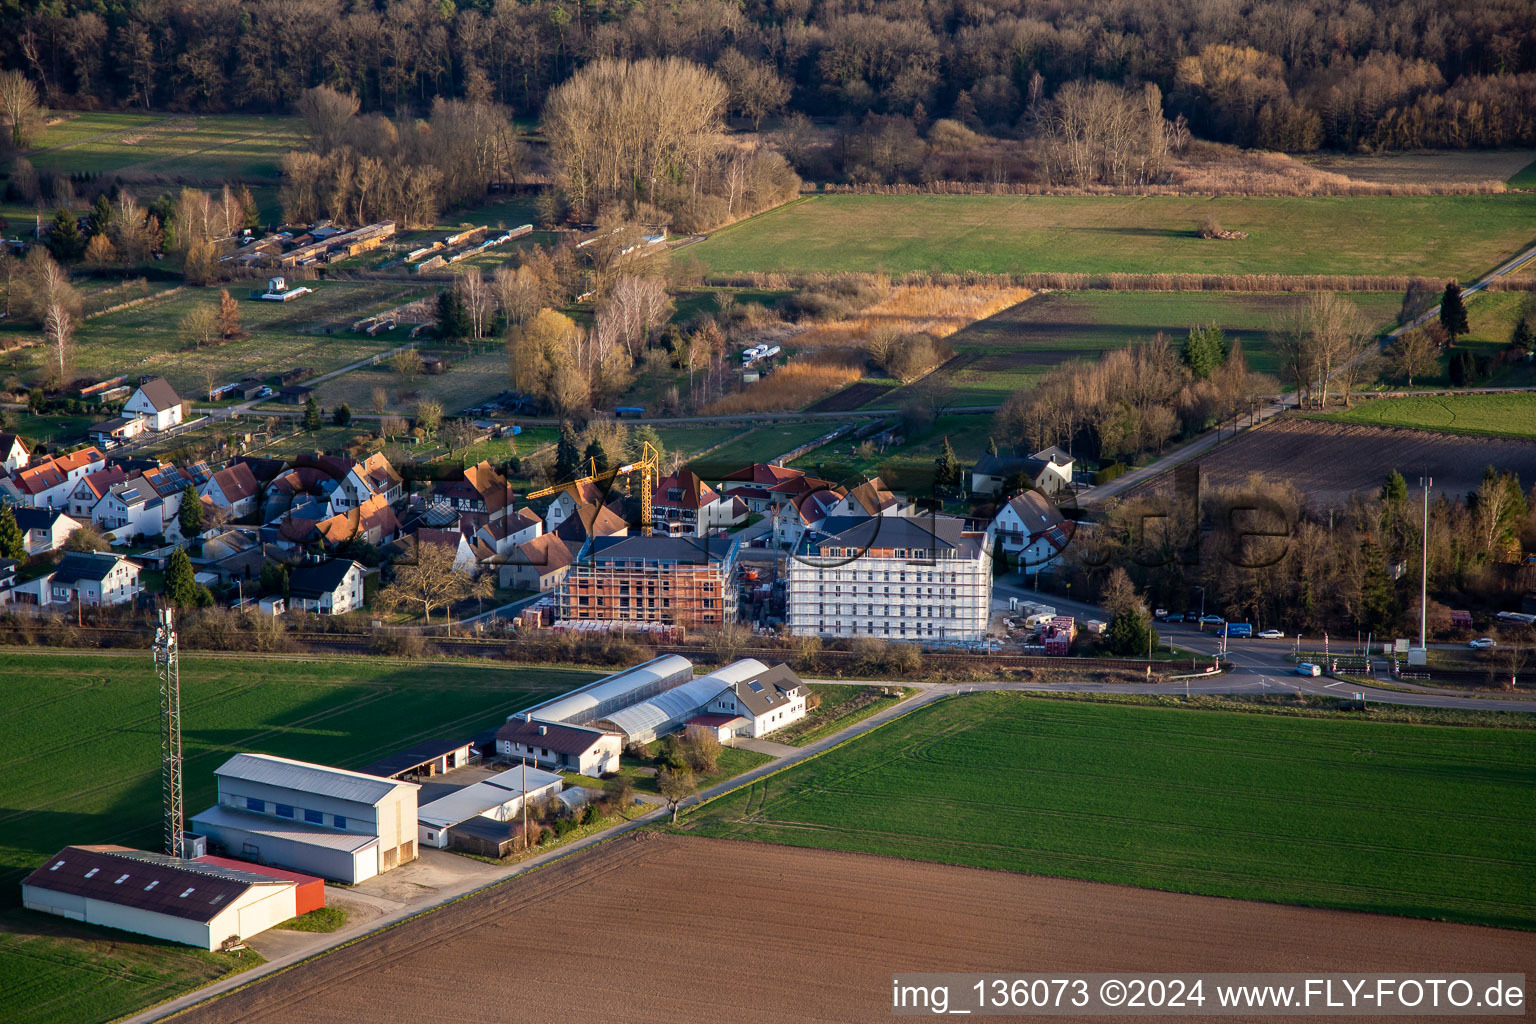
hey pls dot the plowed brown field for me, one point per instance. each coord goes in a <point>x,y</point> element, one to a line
<point>663,928</point>
<point>1329,462</point>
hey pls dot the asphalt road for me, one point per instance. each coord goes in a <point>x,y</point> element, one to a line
<point>1264,666</point>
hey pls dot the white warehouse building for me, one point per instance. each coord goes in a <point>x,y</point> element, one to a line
<point>499,798</point>
<point>921,578</point>
<point>338,824</point>
<point>190,902</point>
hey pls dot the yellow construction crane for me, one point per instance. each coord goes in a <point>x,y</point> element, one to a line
<point>647,466</point>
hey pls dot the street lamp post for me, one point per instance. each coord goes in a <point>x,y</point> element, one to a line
<point>1202,606</point>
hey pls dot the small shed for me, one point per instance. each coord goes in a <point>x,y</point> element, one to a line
<point>486,837</point>
<point>294,394</point>
<point>424,760</point>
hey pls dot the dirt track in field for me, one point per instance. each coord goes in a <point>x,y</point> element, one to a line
<point>665,928</point>
<point>1329,462</point>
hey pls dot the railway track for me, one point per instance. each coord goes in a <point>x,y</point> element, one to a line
<point>108,637</point>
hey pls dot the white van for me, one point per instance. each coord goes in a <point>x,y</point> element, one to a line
<point>1306,668</point>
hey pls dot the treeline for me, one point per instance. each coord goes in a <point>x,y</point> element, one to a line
<point>360,169</point>
<point>1262,554</point>
<point>1338,73</point>
<point>1135,399</point>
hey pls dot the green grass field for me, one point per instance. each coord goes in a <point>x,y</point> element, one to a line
<point>82,747</point>
<point>1417,820</point>
<point>1018,346</point>
<point>1506,415</point>
<point>1525,178</point>
<point>1438,235</point>
<point>1491,320</point>
<point>761,444</point>
<point>147,338</point>
<point>55,972</point>
<point>82,754</point>
<point>168,149</point>
<point>909,465</point>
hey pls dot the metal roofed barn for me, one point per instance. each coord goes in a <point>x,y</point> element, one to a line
<point>614,692</point>
<point>312,778</point>
<point>645,721</point>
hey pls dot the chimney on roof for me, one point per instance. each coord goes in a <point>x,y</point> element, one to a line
<point>527,716</point>
<point>543,729</point>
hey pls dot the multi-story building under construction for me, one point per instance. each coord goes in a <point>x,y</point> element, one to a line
<point>917,578</point>
<point>681,581</point>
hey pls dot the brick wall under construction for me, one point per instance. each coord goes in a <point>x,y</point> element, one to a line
<point>691,596</point>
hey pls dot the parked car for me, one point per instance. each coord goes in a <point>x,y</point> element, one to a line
<point>1191,616</point>
<point>1211,620</point>
<point>1482,642</point>
<point>1239,630</point>
<point>1160,613</point>
<point>1306,668</point>
<point>1172,616</point>
<point>1271,634</point>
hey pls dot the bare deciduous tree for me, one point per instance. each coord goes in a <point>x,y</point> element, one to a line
<point>19,105</point>
<point>431,580</point>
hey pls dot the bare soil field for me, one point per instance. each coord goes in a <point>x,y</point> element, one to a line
<point>672,928</point>
<point>1331,461</point>
<point>851,397</point>
<point>1433,167</point>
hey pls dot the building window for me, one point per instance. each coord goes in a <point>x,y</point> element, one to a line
<point>314,817</point>
<point>284,810</point>
<point>252,804</point>
<point>338,821</point>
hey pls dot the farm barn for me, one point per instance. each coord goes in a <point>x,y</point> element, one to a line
<point>199,903</point>
<point>338,824</point>
<point>424,760</point>
<point>499,798</point>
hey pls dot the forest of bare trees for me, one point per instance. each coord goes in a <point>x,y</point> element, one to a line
<point>1337,74</point>
<point>363,168</point>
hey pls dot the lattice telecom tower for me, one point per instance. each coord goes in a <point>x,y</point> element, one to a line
<point>170,733</point>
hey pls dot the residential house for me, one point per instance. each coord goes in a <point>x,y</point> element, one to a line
<point>91,489</point>
<point>7,579</point>
<point>146,504</point>
<point>921,578</point>
<point>565,748</point>
<point>1032,531</point>
<point>44,529</point>
<point>118,430</point>
<point>1048,470</point>
<point>685,506</point>
<point>591,521</point>
<point>156,402</point>
<point>91,578</point>
<point>761,704</point>
<point>14,453</point>
<point>48,482</point>
<point>870,498</point>
<point>538,564</point>
<point>233,490</point>
<point>573,497</point>
<point>333,587</point>
<point>805,512</point>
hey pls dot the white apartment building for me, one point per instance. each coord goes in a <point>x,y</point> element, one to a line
<point>909,577</point>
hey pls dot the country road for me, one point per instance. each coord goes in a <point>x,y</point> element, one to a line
<point>1259,668</point>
